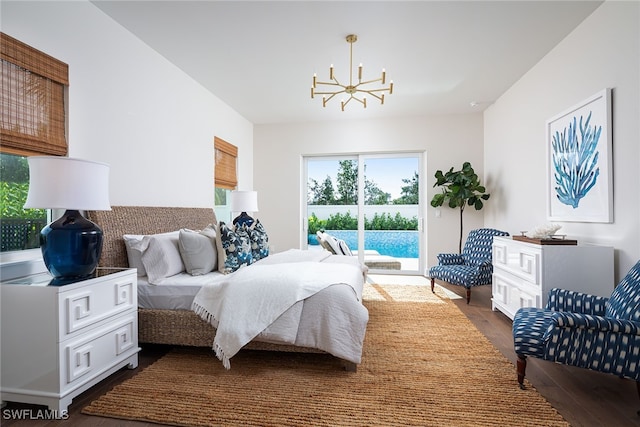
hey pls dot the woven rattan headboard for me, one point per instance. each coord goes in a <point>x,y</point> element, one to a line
<point>121,220</point>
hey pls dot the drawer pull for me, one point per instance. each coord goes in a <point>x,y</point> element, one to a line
<point>81,306</point>
<point>500,255</point>
<point>79,361</point>
<point>526,263</point>
<point>123,293</point>
<point>124,338</point>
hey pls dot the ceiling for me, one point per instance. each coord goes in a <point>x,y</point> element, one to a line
<point>259,56</point>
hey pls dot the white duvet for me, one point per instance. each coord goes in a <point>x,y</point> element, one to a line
<point>303,298</point>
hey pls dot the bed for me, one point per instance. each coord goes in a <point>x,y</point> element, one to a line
<point>165,315</point>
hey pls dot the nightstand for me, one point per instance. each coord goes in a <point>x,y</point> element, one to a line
<point>58,341</point>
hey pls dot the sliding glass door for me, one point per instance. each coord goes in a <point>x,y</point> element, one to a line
<point>372,202</point>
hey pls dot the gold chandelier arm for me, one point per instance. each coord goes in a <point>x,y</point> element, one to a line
<point>378,97</point>
<point>374,90</point>
<point>325,100</point>
<point>334,83</point>
<point>362,101</point>
<point>369,81</point>
<point>330,93</point>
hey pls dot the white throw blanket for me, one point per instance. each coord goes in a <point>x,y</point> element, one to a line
<point>253,297</point>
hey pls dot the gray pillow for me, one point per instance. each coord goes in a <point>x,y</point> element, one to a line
<point>135,249</point>
<point>162,257</point>
<point>198,250</point>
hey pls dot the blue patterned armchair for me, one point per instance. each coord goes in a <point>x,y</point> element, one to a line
<point>471,268</point>
<point>598,333</point>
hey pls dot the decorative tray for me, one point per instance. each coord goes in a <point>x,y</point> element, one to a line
<point>546,241</point>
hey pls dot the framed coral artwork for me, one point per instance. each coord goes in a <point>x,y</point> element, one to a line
<point>579,167</point>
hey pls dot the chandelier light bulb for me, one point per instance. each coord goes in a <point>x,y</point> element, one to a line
<point>358,90</point>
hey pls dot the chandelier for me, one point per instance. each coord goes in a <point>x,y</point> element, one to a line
<point>355,91</point>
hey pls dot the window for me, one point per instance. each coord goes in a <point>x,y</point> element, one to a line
<point>372,202</point>
<point>226,178</point>
<point>20,227</point>
<point>32,122</point>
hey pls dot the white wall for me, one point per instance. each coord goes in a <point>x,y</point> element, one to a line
<point>603,52</point>
<point>131,108</point>
<point>448,141</point>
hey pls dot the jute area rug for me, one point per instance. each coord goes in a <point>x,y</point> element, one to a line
<point>423,364</point>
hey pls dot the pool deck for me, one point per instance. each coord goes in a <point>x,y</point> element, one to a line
<point>374,260</point>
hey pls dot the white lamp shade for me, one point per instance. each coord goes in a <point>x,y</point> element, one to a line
<point>67,183</point>
<point>244,201</point>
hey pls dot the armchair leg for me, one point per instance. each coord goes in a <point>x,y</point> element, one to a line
<point>468,295</point>
<point>522,367</point>
<point>432,284</point>
<point>638,388</point>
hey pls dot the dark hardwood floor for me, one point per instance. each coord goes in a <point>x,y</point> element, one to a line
<point>584,398</point>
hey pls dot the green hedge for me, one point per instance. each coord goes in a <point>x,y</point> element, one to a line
<point>384,221</point>
<point>13,195</point>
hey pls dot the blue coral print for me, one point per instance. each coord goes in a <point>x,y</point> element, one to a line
<point>575,160</point>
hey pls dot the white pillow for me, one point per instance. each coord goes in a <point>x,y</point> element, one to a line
<point>344,248</point>
<point>198,250</point>
<point>162,259</point>
<point>134,245</point>
<point>333,243</point>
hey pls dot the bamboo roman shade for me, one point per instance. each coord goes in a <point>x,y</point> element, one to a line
<point>225,166</point>
<point>33,100</point>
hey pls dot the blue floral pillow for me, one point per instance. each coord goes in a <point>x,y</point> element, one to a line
<point>259,241</point>
<point>235,246</point>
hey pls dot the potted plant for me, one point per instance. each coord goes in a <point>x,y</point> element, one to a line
<point>459,189</point>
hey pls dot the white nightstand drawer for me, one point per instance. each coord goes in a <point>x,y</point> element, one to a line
<point>93,353</point>
<point>518,260</point>
<point>510,293</point>
<point>89,305</point>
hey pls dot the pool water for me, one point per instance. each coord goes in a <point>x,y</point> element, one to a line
<point>395,243</point>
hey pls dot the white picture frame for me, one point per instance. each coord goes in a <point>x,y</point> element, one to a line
<point>579,165</point>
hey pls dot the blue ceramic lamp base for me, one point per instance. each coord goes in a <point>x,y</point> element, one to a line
<point>243,219</point>
<point>71,247</point>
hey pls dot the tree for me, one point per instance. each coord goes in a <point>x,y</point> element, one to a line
<point>347,182</point>
<point>459,189</point>
<point>321,194</point>
<point>409,193</point>
<point>373,195</point>
<point>14,169</point>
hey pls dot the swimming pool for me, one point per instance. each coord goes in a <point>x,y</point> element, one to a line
<point>395,243</point>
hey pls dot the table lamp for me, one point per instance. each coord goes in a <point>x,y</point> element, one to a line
<point>243,202</point>
<point>71,246</point>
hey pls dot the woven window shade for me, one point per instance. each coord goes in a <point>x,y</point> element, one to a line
<point>225,165</point>
<point>33,100</point>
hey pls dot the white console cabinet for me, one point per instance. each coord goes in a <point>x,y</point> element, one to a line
<point>58,341</point>
<point>524,273</point>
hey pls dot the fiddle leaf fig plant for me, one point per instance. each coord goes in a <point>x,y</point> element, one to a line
<point>459,189</point>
